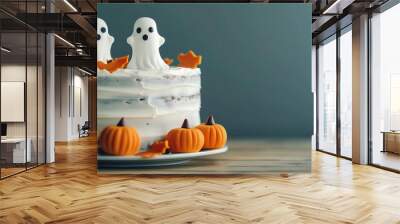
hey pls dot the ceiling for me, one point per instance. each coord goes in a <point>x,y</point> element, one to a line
<point>75,22</point>
<point>332,15</point>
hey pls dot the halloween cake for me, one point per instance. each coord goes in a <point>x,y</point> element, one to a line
<point>152,95</point>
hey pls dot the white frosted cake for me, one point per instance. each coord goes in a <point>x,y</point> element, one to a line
<point>152,102</point>
<point>152,96</point>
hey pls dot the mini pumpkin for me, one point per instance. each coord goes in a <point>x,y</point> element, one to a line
<point>185,139</point>
<point>215,135</point>
<point>120,139</point>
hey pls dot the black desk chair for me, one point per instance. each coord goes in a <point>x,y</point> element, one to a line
<point>84,130</point>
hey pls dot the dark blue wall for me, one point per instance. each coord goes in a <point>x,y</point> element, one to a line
<point>256,70</point>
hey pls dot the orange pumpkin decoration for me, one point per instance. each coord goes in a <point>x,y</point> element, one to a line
<point>215,135</point>
<point>120,140</point>
<point>185,139</point>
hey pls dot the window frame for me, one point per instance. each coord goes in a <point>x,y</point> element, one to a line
<point>338,34</point>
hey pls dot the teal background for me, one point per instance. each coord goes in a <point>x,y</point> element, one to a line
<point>256,70</point>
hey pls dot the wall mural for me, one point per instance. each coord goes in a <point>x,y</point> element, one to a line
<point>203,88</point>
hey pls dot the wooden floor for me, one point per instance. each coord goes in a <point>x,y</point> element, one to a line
<point>70,191</point>
<point>8,171</point>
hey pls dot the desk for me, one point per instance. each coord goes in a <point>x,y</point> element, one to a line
<point>391,141</point>
<point>13,150</point>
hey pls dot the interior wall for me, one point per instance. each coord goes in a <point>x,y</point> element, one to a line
<point>16,72</point>
<point>80,109</point>
<point>248,73</point>
<point>62,81</point>
<point>71,102</point>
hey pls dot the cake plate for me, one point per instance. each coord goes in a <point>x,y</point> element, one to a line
<point>109,161</point>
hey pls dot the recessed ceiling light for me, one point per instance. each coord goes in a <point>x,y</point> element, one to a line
<point>64,40</point>
<point>5,49</point>
<point>337,7</point>
<point>84,71</point>
<point>70,5</point>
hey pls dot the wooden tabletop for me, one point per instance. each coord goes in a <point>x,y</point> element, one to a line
<point>243,157</point>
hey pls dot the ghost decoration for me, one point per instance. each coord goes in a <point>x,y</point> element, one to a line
<point>145,43</point>
<point>104,41</point>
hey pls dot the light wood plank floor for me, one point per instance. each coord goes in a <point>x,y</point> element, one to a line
<point>70,191</point>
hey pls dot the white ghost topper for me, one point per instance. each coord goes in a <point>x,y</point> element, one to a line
<point>145,42</point>
<point>104,41</point>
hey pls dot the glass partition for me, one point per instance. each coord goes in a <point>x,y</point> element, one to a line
<point>22,88</point>
<point>41,97</point>
<point>15,152</point>
<point>31,97</point>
